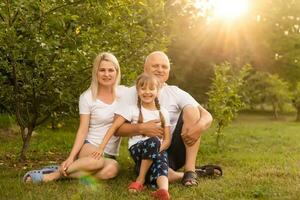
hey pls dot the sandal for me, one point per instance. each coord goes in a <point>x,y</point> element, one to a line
<point>161,194</point>
<point>189,178</point>
<point>50,169</point>
<point>212,171</point>
<point>135,187</point>
<point>35,175</point>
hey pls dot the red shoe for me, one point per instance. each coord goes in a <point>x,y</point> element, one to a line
<point>135,187</point>
<point>161,194</point>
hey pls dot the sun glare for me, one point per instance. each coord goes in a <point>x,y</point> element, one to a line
<point>230,9</point>
<point>224,9</point>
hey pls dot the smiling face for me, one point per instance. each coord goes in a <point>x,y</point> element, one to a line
<point>147,93</point>
<point>158,64</point>
<point>106,74</point>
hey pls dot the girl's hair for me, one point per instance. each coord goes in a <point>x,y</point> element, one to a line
<point>145,80</point>
<point>105,56</point>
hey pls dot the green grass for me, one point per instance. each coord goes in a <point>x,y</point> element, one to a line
<point>260,158</point>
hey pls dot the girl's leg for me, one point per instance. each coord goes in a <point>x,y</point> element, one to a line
<point>162,182</point>
<point>159,170</point>
<point>143,154</point>
<point>150,150</point>
<point>145,165</point>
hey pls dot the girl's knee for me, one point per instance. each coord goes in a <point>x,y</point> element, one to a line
<point>154,141</point>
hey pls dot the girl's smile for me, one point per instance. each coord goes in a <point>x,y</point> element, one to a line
<point>147,95</point>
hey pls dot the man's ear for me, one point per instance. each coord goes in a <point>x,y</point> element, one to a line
<point>145,68</point>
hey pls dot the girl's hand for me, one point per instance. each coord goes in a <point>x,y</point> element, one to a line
<point>161,149</point>
<point>164,146</point>
<point>64,165</point>
<point>97,154</point>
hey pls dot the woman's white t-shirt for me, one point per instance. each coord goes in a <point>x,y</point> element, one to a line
<point>101,118</point>
<point>131,114</point>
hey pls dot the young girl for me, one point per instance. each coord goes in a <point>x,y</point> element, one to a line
<point>148,153</point>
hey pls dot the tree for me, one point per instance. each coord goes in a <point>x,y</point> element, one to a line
<point>253,91</point>
<point>296,100</point>
<point>262,88</point>
<point>277,92</point>
<point>47,49</point>
<point>225,99</point>
<point>281,21</point>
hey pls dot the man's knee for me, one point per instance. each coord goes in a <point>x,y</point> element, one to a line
<point>191,114</point>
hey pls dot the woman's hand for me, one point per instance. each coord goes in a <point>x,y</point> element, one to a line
<point>97,154</point>
<point>64,165</point>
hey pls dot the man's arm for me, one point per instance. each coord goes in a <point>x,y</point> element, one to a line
<point>151,129</point>
<point>196,120</point>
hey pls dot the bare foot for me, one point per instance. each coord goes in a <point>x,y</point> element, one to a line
<point>52,176</point>
<point>28,179</point>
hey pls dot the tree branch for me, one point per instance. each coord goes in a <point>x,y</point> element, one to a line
<point>2,17</point>
<point>16,91</point>
<point>61,6</point>
<point>15,17</point>
<point>41,121</point>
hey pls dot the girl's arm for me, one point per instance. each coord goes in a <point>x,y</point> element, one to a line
<point>119,120</point>
<point>79,140</point>
<point>166,140</point>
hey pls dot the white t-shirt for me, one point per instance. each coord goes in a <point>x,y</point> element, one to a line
<point>131,113</point>
<point>101,118</point>
<point>170,97</point>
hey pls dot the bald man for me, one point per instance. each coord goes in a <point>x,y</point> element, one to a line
<point>188,121</point>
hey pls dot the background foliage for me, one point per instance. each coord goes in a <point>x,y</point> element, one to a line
<point>48,47</point>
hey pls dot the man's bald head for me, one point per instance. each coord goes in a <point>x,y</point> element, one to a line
<point>157,54</point>
<point>157,63</point>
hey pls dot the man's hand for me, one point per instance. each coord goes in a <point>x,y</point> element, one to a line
<point>190,135</point>
<point>152,128</point>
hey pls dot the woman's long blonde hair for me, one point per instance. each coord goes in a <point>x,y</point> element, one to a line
<point>149,80</point>
<point>105,56</point>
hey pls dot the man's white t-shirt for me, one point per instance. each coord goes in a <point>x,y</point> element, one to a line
<point>170,97</point>
<point>101,118</point>
<point>131,114</point>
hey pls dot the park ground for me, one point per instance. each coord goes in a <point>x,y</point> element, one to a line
<point>260,158</point>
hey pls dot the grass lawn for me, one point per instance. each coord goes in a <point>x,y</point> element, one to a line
<point>260,159</point>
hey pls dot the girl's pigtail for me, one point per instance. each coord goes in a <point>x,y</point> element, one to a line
<point>161,116</point>
<point>139,105</point>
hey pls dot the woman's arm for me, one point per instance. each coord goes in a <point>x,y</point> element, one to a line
<point>79,140</point>
<point>119,120</point>
<point>166,140</point>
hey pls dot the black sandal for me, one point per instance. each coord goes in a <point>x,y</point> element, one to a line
<point>189,178</point>
<point>212,171</point>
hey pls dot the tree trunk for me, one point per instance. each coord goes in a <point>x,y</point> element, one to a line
<point>53,124</point>
<point>275,111</point>
<point>298,115</point>
<point>26,141</point>
<point>218,132</point>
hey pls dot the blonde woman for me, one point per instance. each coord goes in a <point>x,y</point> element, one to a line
<point>96,106</point>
